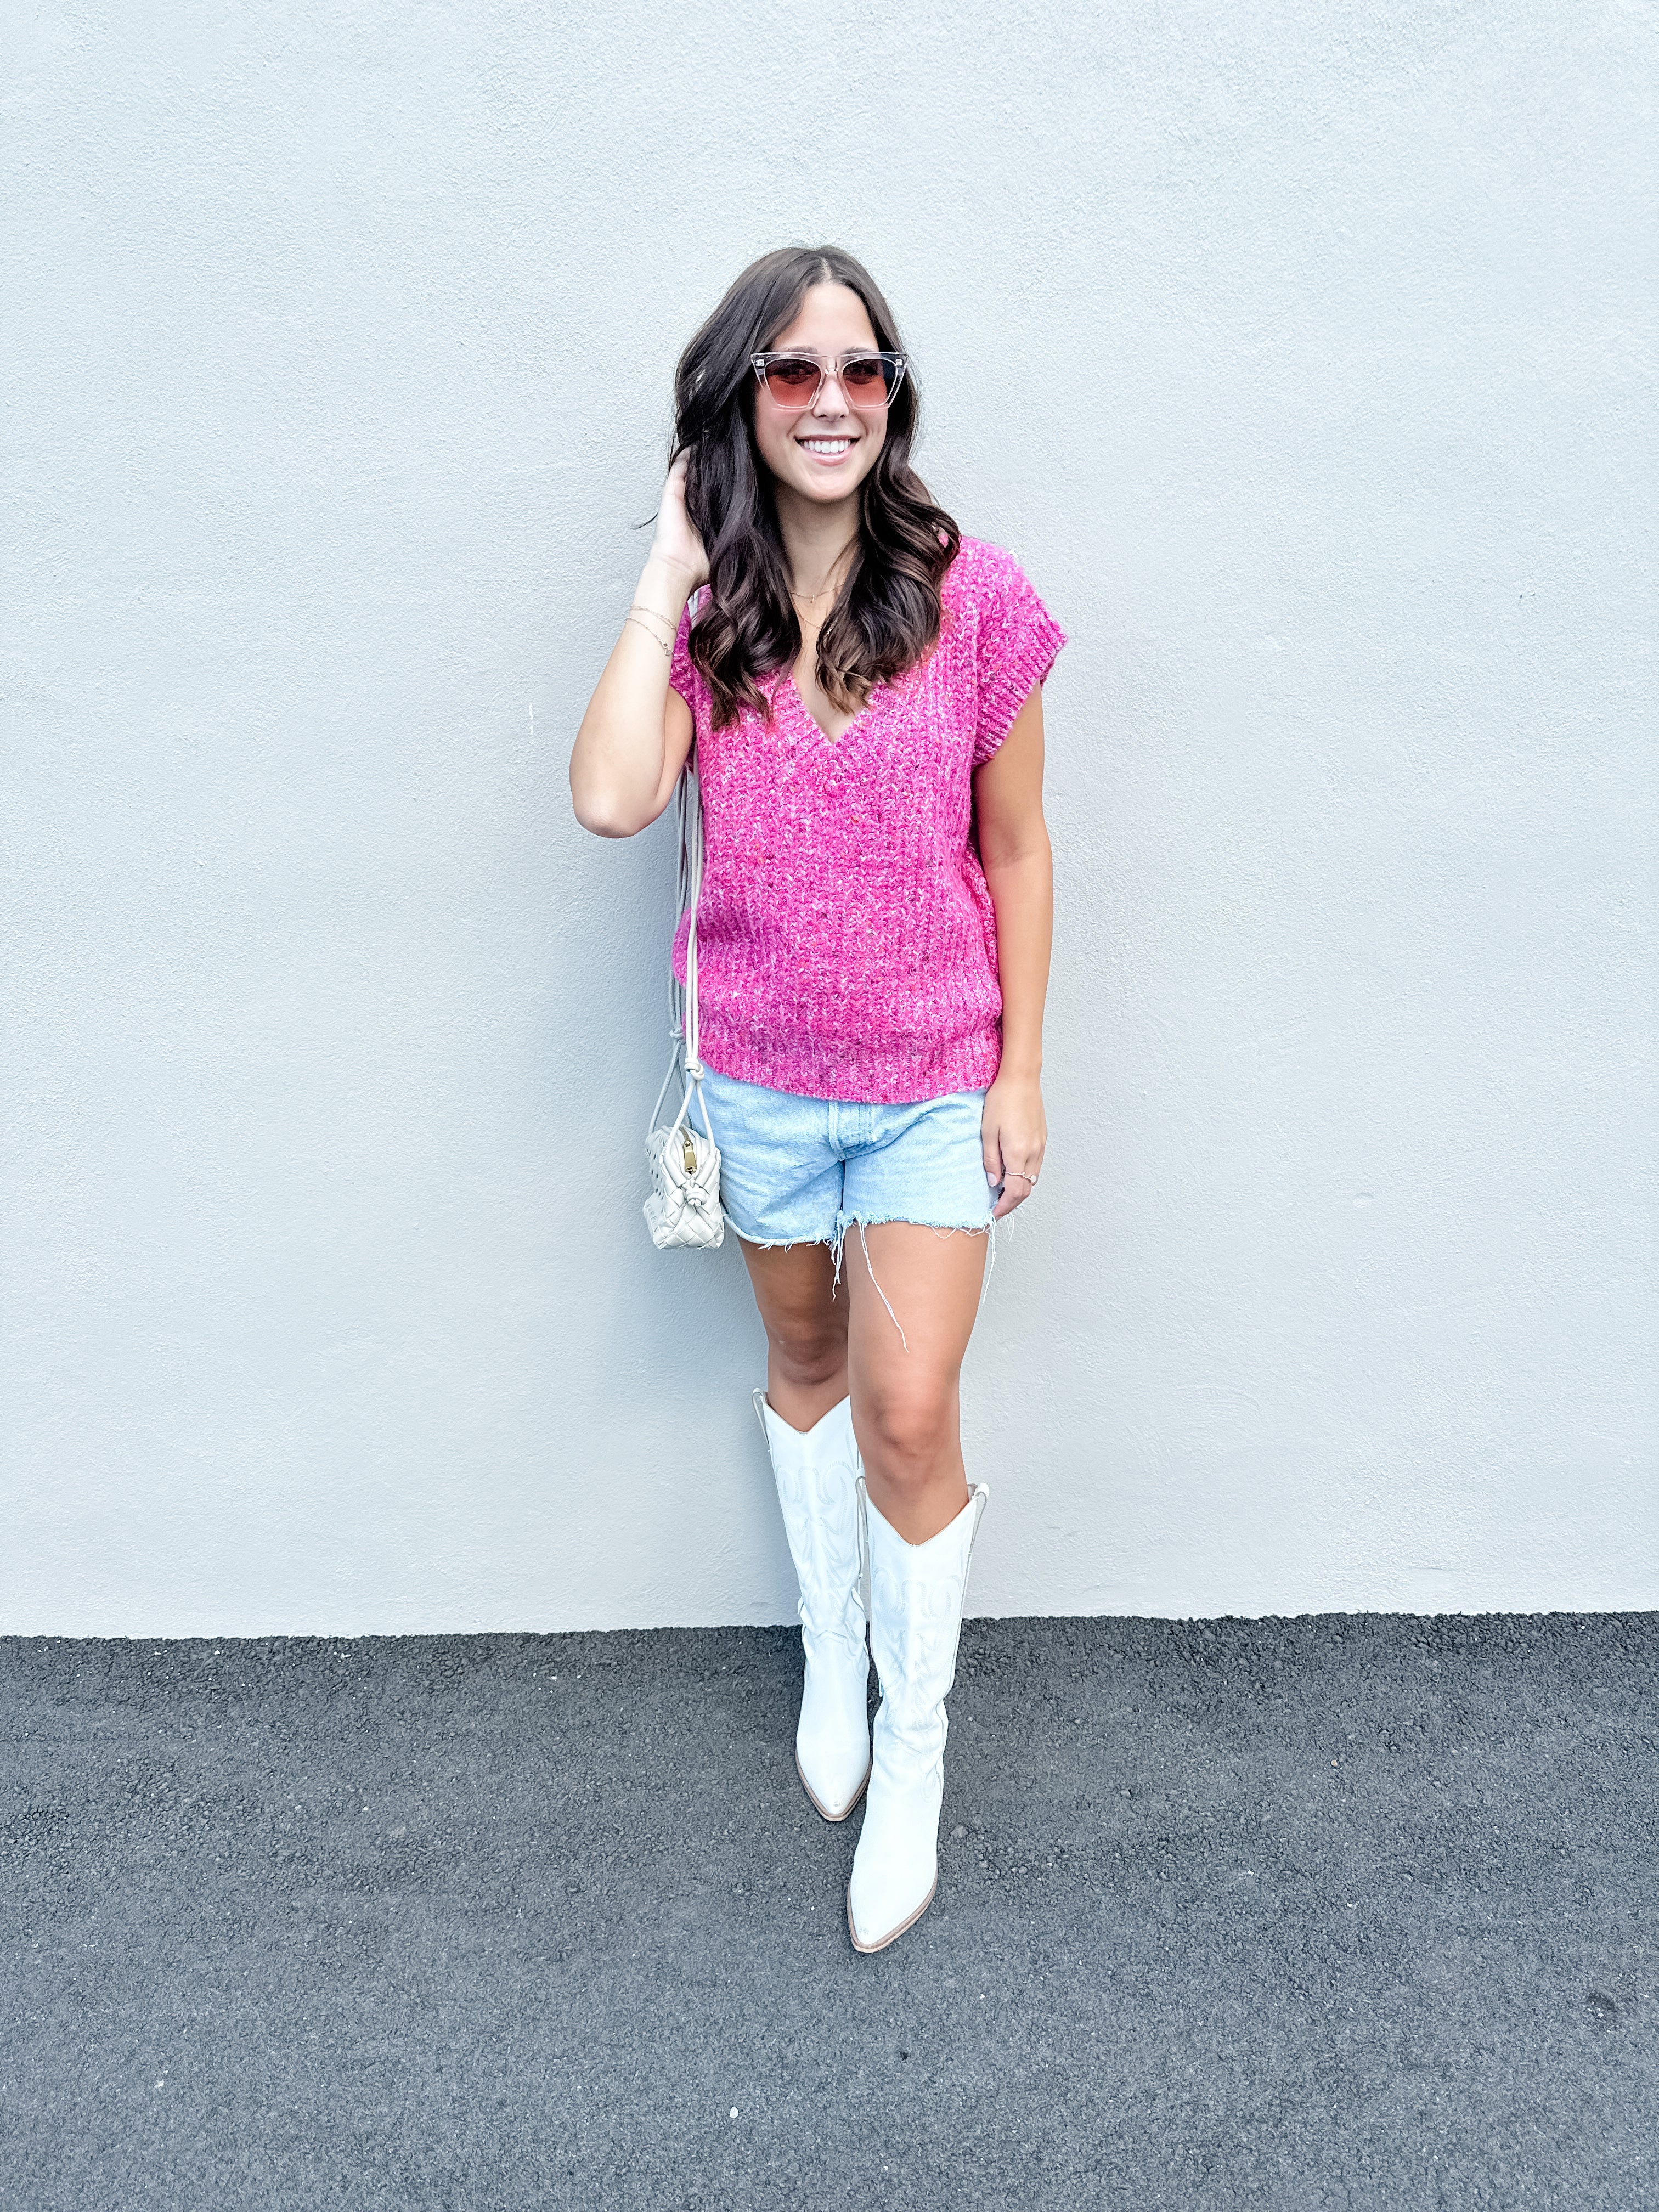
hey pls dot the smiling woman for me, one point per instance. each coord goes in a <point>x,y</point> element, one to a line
<point>828,555</point>
<point>861,692</point>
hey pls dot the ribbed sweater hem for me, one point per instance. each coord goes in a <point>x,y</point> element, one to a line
<point>859,1077</point>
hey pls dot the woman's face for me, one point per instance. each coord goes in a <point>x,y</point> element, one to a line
<point>825,451</point>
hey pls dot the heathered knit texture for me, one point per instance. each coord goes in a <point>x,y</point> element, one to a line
<point>846,938</point>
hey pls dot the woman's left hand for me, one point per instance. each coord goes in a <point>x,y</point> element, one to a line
<point>1015,1134</point>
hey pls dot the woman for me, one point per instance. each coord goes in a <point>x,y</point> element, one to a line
<point>862,685</point>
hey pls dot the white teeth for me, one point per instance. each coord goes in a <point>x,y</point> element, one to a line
<point>826,445</point>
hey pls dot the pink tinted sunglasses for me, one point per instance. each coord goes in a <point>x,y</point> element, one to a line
<point>793,380</point>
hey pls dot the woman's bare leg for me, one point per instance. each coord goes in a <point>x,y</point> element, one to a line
<point>805,1329</point>
<point>907,1402</point>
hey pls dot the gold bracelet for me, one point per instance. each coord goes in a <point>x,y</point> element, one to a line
<point>667,650</point>
<point>639,607</point>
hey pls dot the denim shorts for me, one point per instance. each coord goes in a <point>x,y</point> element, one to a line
<point>798,1170</point>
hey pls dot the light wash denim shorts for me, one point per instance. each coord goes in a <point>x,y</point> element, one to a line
<point>798,1170</point>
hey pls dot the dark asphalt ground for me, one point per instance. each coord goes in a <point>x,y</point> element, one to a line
<point>1354,1911</point>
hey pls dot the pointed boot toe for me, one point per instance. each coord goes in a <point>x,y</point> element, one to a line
<point>830,1793</point>
<point>889,1893</point>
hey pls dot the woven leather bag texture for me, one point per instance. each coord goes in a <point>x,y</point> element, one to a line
<point>684,1203</point>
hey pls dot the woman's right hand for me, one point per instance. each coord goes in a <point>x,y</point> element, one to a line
<point>677,543</point>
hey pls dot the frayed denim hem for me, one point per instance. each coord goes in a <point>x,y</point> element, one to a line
<point>987,1229</point>
<point>837,1243</point>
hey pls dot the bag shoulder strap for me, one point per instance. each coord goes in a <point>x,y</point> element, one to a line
<point>688,804</point>
<point>688,892</point>
<point>689,873</point>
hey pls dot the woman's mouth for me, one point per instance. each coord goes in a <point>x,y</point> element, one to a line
<point>826,451</point>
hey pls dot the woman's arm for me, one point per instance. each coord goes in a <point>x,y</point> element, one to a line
<point>637,730</point>
<point>1020,871</point>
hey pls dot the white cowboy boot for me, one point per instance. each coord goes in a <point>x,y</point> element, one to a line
<point>816,1475</point>
<point>914,1593</point>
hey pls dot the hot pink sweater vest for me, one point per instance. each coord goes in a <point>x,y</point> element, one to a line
<point>846,940</point>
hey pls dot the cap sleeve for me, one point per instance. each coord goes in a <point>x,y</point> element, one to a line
<point>681,674</point>
<point>1019,640</point>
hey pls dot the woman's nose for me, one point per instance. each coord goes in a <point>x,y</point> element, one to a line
<point>831,399</point>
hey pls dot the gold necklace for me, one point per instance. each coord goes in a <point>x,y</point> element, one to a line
<point>811,599</point>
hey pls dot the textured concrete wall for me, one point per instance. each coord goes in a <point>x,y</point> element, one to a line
<point>1299,352</point>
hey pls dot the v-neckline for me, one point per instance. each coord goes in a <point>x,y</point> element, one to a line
<point>841,735</point>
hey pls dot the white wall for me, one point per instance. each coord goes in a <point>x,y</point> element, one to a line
<point>1298,351</point>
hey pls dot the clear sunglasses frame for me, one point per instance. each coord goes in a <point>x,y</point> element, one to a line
<point>895,362</point>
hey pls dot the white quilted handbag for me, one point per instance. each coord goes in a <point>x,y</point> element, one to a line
<point>683,1207</point>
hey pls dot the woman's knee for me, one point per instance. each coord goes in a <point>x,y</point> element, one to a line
<point>910,1427</point>
<point>810,1348</point>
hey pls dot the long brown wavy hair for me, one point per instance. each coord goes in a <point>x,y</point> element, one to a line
<point>886,617</point>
